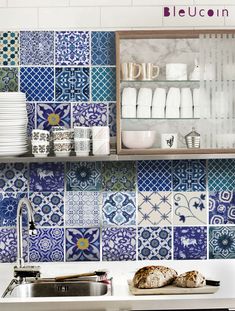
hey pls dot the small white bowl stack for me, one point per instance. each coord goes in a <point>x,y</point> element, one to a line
<point>13,124</point>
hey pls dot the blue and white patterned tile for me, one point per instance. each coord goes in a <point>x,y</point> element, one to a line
<point>31,117</point>
<point>222,207</point>
<point>47,245</point>
<point>221,175</point>
<point>37,83</point>
<point>72,48</point>
<point>112,119</point>
<point>119,208</point>
<point>154,243</point>
<point>83,244</point>
<point>221,242</point>
<point>189,175</point>
<point>72,84</point>
<point>90,114</point>
<point>103,48</point>
<point>49,115</point>
<point>83,176</point>
<point>9,52</point>
<point>8,79</point>
<point>13,177</point>
<point>36,47</point>
<point>154,175</point>
<point>46,177</point>
<point>103,84</point>
<point>154,208</point>
<point>82,208</point>
<point>119,244</point>
<point>48,208</point>
<point>190,208</point>
<point>8,208</point>
<point>190,242</point>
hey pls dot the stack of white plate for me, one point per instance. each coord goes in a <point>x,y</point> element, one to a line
<point>13,124</point>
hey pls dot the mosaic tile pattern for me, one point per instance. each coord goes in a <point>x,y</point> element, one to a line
<point>221,242</point>
<point>8,246</point>
<point>90,114</point>
<point>36,47</point>
<point>222,207</point>
<point>48,208</point>
<point>31,117</point>
<point>82,208</point>
<point>37,83</point>
<point>72,84</point>
<point>154,243</point>
<point>119,208</point>
<point>83,244</point>
<point>118,176</point>
<point>190,243</point>
<point>47,245</point>
<point>112,119</point>
<point>9,48</point>
<point>83,176</point>
<point>8,208</point>
<point>154,175</point>
<point>190,208</point>
<point>13,177</point>
<point>49,115</point>
<point>221,174</point>
<point>103,48</point>
<point>103,84</point>
<point>8,79</point>
<point>154,208</point>
<point>119,244</point>
<point>72,48</point>
<point>189,175</point>
<point>46,177</point>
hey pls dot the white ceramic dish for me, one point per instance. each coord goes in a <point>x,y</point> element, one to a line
<point>138,139</point>
<point>62,153</point>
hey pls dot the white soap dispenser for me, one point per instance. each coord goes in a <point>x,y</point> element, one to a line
<point>195,74</point>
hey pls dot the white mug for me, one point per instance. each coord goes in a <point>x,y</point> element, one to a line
<point>130,71</point>
<point>147,71</point>
<point>176,71</point>
<point>169,141</point>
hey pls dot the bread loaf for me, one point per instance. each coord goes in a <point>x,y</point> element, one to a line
<point>154,276</point>
<point>190,279</point>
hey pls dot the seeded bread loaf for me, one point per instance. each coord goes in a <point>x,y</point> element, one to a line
<point>154,276</point>
<point>190,279</point>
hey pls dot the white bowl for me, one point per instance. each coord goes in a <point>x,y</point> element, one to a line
<point>138,139</point>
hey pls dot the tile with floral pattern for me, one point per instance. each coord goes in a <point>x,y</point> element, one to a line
<point>222,207</point>
<point>118,244</point>
<point>221,174</point>
<point>103,84</point>
<point>8,79</point>
<point>221,242</point>
<point>112,119</point>
<point>103,48</point>
<point>13,177</point>
<point>83,244</point>
<point>9,48</point>
<point>31,117</point>
<point>90,114</point>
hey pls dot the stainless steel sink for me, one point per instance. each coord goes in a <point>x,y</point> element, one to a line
<point>57,289</point>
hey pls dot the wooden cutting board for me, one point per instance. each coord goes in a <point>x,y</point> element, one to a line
<point>172,290</point>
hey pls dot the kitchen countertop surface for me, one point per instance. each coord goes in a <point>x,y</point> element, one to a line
<point>223,270</point>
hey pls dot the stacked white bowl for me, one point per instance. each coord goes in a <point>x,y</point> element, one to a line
<point>82,140</point>
<point>13,124</point>
<point>100,140</point>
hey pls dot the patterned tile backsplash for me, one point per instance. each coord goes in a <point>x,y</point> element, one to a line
<point>91,211</point>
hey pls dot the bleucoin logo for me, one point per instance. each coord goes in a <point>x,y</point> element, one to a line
<point>193,11</point>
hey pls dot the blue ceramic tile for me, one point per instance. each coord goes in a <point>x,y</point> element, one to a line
<point>37,47</point>
<point>222,207</point>
<point>72,48</point>
<point>49,115</point>
<point>112,119</point>
<point>154,175</point>
<point>119,244</point>
<point>221,242</point>
<point>189,175</point>
<point>221,174</point>
<point>119,208</point>
<point>46,177</point>
<point>83,176</point>
<point>154,208</point>
<point>190,208</point>
<point>103,84</point>
<point>48,208</point>
<point>103,48</point>
<point>190,243</point>
<point>8,245</point>
<point>37,83</point>
<point>47,245</point>
<point>154,243</point>
<point>9,52</point>
<point>83,244</point>
<point>8,79</point>
<point>31,118</point>
<point>90,114</point>
<point>13,177</point>
<point>72,84</point>
<point>82,208</point>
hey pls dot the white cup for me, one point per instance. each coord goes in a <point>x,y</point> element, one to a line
<point>176,71</point>
<point>147,71</point>
<point>100,147</point>
<point>82,147</point>
<point>169,141</point>
<point>100,132</point>
<point>129,112</point>
<point>82,132</point>
<point>130,71</point>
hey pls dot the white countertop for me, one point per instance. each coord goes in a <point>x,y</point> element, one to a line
<point>223,270</point>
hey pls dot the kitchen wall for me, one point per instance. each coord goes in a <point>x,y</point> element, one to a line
<point>90,211</point>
